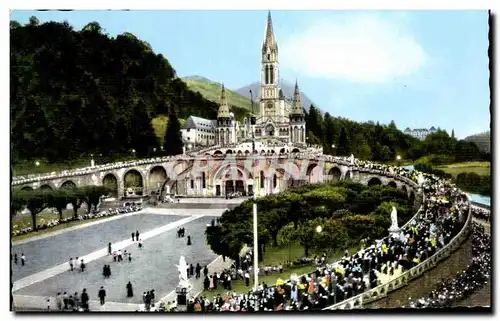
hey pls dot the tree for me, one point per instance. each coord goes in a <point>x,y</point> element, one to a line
<point>36,201</point>
<point>76,197</point>
<point>17,201</point>
<point>59,200</point>
<point>172,144</point>
<point>142,134</point>
<point>343,145</point>
<point>92,195</point>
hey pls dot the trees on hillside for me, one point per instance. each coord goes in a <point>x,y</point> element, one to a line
<point>172,144</point>
<point>84,92</point>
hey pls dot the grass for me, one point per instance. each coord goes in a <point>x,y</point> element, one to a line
<point>403,162</point>
<point>481,168</point>
<point>24,221</point>
<point>275,256</point>
<point>211,91</point>
<point>160,126</point>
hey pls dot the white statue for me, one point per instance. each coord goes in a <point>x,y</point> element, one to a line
<point>421,179</point>
<point>182,268</point>
<point>394,218</point>
<point>352,159</point>
<point>92,163</point>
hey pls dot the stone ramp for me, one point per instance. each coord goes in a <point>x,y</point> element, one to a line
<point>199,206</point>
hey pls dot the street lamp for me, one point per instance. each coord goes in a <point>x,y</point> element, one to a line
<point>333,149</point>
<point>37,163</point>
<point>133,152</point>
<point>398,159</point>
<point>319,228</point>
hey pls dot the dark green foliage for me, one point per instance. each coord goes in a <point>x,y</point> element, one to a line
<point>75,93</point>
<point>172,144</point>
<point>474,183</point>
<point>292,215</point>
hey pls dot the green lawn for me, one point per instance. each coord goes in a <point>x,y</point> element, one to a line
<point>275,256</point>
<point>24,221</point>
<point>481,168</point>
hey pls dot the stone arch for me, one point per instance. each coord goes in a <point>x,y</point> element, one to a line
<point>392,184</point>
<point>228,169</point>
<point>218,152</point>
<point>247,152</point>
<point>403,188</point>
<point>374,181</point>
<point>334,174</point>
<point>27,188</point>
<point>110,181</point>
<point>412,197</point>
<point>295,150</point>
<point>68,184</point>
<point>313,173</point>
<point>156,179</point>
<point>229,151</point>
<point>133,183</point>
<point>240,152</point>
<point>46,187</point>
<point>347,176</point>
<point>262,152</point>
<point>282,151</point>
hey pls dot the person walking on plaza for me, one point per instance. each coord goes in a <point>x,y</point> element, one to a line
<point>189,240</point>
<point>82,266</point>
<point>133,235</point>
<point>59,301</point>
<point>109,248</point>
<point>75,263</point>
<point>198,270</point>
<point>102,295</point>
<point>137,235</point>
<point>130,292</point>
<point>191,269</point>
<point>130,257</point>
<point>71,264</point>
<point>140,244</point>
<point>15,259</point>
<point>205,271</point>
<point>65,298</point>
<point>23,259</point>
<point>84,298</point>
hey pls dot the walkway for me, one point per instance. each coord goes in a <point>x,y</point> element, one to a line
<point>40,276</point>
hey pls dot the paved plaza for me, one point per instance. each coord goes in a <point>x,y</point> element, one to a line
<point>153,267</point>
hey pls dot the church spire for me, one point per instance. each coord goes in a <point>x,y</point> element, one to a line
<point>269,41</point>
<point>296,105</point>
<point>223,106</point>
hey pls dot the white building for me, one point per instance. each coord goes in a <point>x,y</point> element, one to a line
<point>420,133</point>
<point>278,123</point>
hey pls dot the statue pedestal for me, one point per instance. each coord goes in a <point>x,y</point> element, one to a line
<point>394,231</point>
<point>182,290</point>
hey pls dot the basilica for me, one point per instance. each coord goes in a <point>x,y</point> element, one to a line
<point>277,127</point>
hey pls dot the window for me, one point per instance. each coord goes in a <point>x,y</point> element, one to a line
<point>275,181</point>
<point>261,179</point>
<point>192,183</point>
<point>268,57</point>
<point>203,179</point>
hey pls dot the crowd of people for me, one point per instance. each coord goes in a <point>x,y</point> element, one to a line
<point>476,276</point>
<point>481,213</point>
<point>442,216</point>
<point>51,223</point>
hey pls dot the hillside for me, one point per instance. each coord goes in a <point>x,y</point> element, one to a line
<point>287,87</point>
<point>482,140</point>
<point>211,90</point>
<point>80,92</point>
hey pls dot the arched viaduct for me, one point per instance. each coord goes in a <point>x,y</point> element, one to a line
<point>215,176</point>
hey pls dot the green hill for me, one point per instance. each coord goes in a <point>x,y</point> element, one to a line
<point>482,140</point>
<point>211,90</point>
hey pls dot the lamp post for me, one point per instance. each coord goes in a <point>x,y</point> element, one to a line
<point>333,149</point>
<point>398,159</point>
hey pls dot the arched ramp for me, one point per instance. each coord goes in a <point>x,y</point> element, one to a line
<point>68,185</point>
<point>374,181</point>
<point>111,183</point>
<point>133,183</point>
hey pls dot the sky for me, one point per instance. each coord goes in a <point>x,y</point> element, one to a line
<point>418,68</point>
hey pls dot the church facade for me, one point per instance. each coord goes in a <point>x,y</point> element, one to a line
<point>277,124</point>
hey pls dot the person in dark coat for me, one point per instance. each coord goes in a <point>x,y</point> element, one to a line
<point>15,259</point>
<point>105,271</point>
<point>102,295</point>
<point>137,235</point>
<point>109,248</point>
<point>84,298</point>
<point>140,244</point>
<point>133,237</point>
<point>189,240</point>
<point>130,292</point>
<point>23,259</point>
<point>82,266</point>
<point>205,271</point>
<point>130,257</point>
<point>198,270</point>
<point>206,283</point>
<point>191,269</point>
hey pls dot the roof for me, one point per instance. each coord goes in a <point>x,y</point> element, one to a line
<point>199,123</point>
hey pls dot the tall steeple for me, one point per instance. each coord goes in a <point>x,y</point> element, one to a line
<point>223,106</point>
<point>269,41</point>
<point>296,105</point>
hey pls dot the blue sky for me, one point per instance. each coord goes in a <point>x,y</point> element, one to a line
<point>418,68</point>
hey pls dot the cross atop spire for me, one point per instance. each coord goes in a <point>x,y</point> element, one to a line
<point>269,41</point>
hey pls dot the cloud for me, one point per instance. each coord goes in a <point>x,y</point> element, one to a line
<point>363,48</point>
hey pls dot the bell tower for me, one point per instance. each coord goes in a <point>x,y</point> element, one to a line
<point>269,91</point>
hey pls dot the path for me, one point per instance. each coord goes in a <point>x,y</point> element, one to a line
<point>48,273</point>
